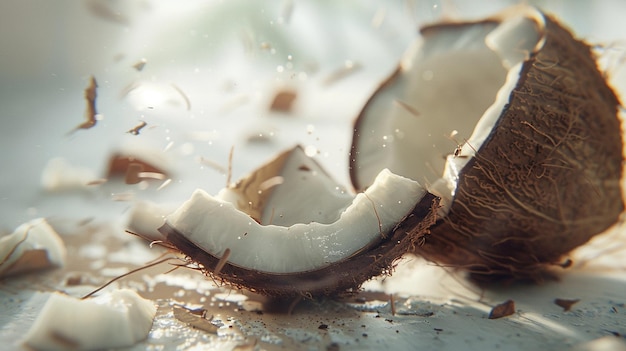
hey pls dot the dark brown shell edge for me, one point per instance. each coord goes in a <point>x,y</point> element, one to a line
<point>548,177</point>
<point>336,279</point>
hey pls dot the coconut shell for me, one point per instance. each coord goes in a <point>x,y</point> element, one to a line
<point>335,279</point>
<point>546,179</point>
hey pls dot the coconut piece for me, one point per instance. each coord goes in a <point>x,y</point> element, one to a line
<point>138,164</point>
<point>285,230</point>
<point>60,175</point>
<point>32,246</point>
<point>117,319</point>
<point>517,132</point>
<point>262,194</point>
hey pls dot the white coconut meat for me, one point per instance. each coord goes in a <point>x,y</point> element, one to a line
<point>33,245</point>
<point>117,319</point>
<point>215,225</point>
<point>430,117</point>
<point>292,188</point>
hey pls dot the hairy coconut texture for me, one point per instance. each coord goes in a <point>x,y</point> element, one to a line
<point>547,176</point>
<point>336,279</point>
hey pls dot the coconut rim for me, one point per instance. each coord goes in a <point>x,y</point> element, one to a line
<point>341,277</point>
<point>313,246</point>
<point>444,187</point>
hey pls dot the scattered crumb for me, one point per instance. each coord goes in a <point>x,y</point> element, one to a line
<point>106,11</point>
<point>283,101</point>
<point>195,318</point>
<point>504,309</point>
<point>74,280</point>
<point>137,128</point>
<point>140,64</point>
<point>566,304</point>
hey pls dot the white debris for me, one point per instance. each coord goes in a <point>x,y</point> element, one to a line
<point>117,319</point>
<point>33,245</point>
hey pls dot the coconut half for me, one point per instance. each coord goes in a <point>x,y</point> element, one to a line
<point>511,123</point>
<point>289,230</point>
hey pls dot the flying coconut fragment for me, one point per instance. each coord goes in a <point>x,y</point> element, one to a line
<point>514,127</point>
<point>287,229</point>
<point>116,319</point>
<point>136,164</point>
<point>32,246</point>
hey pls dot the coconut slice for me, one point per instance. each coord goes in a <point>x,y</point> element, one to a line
<point>315,240</point>
<point>120,318</point>
<point>32,246</point>
<point>512,125</point>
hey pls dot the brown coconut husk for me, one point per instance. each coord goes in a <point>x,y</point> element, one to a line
<point>547,179</point>
<point>338,278</point>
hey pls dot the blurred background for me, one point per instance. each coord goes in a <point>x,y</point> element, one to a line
<point>202,75</point>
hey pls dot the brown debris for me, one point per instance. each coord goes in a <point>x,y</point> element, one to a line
<point>132,173</point>
<point>140,64</point>
<point>90,112</point>
<point>504,309</point>
<point>104,10</point>
<point>137,128</point>
<point>283,101</point>
<point>566,304</point>
<point>133,169</point>
<point>410,109</point>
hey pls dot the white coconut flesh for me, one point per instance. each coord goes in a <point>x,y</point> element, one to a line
<point>215,225</point>
<point>431,116</point>
<point>292,188</point>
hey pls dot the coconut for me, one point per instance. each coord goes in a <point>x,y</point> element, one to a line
<point>289,230</point>
<point>510,122</point>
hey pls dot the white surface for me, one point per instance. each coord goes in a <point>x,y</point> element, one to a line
<point>228,58</point>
